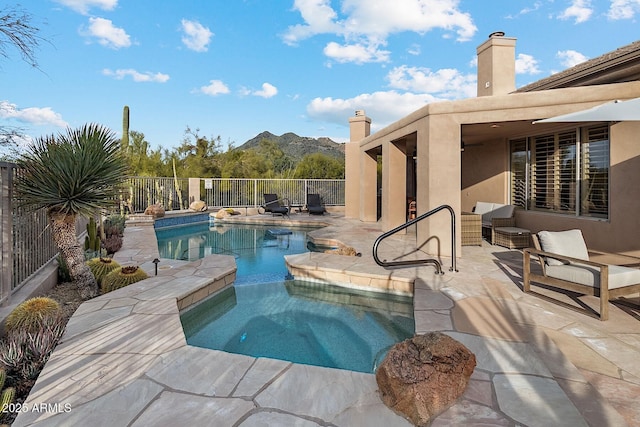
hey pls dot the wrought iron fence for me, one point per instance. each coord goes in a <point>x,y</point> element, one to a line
<point>140,192</point>
<point>237,192</point>
<point>27,244</point>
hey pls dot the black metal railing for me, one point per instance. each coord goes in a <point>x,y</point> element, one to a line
<point>435,262</point>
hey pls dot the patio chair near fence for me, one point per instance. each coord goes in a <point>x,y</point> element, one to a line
<point>314,205</point>
<point>274,205</point>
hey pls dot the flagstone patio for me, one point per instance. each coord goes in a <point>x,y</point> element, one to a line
<point>124,359</point>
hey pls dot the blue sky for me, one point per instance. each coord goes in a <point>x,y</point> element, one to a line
<point>235,68</point>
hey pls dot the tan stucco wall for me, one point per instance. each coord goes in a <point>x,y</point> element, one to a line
<point>485,168</point>
<point>440,162</point>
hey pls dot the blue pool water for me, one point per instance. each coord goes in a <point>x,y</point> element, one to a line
<point>265,314</point>
<point>302,322</point>
<point>259,250</point>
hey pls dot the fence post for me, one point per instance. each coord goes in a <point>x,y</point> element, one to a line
<point>6,252</point>
<point>255,193</point>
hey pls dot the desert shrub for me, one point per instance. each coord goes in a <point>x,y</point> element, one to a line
<point>24,353</point>
<point>114,224</point>
<point>121,277</point>
<point>112,244</point>
<point>32,314</point>
<point>101,266</point>
<point>6,397</point>
<point>63,270</point>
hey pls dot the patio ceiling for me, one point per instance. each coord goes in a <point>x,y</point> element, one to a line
<point>498,131</point>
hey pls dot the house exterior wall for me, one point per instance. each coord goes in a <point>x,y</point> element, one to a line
<point>441,166</point>
<point>620,233</point>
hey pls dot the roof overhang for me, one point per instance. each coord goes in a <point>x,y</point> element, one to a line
<point>616,111</point>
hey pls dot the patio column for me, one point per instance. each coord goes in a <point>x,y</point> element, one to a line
<point>438,183</point>
<point>368,181</point>
<point>394,186</point>
<point>360,128</point>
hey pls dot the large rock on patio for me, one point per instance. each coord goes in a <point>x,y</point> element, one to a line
<point>156,210</point>
<point>424,375</point>
<point>222,213</point>
<point>198,206</point>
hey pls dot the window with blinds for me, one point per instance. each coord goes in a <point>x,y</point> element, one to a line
<point>519,162</point>
<point>565,172</point>
<point>594,172</point>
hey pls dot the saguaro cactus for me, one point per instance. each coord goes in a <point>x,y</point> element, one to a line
<point>125,127</point>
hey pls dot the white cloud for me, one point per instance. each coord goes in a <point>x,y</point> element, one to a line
<point>569,58</point>
<point>319,18</point>
<point>107,34</point>
<point>268,91</point>
<point>83,6</point>
<point>33,115</point>
<point>196,36</point>
<point>580,10</point>
<point>445,83</point>
<point>357,53</point>
<point>215,87</point>
<point>414,49</point>
<point>387,107</point>
<point>526,64</point>
<point>623,9</point>
<point>365,24</point>
<point>136,76</point>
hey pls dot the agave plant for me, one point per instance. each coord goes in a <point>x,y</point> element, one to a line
<point>77,173</point>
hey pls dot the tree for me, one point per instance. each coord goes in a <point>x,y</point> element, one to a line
<point>74,174</point>
<point>16,30</point>
<point>198,155</point>
<point>320,166</point>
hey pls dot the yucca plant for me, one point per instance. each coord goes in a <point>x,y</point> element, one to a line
<point>77,173</point>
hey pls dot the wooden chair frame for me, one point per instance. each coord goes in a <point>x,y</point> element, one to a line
<point>603,292</point>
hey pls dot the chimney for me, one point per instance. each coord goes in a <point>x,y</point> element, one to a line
<point>497,65</point>
<point>359,126</point>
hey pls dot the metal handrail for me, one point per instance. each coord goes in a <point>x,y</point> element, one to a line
<point>433,261</point>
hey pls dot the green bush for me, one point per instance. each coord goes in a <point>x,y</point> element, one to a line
<point>32,314</point>
<point>121,277</point>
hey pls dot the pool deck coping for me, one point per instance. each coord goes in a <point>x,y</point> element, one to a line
<point>124,359</point>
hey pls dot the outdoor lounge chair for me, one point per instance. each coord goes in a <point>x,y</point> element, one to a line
<point>565,265</point>
<point>314,205</point>
<point>274,205</point>
<point>495,215</point>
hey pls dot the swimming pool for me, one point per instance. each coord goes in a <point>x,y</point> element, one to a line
<point>266,314</point>
<point>259,250</point>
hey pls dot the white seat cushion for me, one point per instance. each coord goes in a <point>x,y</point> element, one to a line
<point>568,243</point>
<point>619,276</point>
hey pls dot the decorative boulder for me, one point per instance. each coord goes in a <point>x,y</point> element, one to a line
<point>343,250</point>
<point>156,210</point>
<point>222,213</point>
<point>198,206</point>
<point>424,375</point>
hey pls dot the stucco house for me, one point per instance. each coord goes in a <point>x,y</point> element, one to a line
<point>560,176</point>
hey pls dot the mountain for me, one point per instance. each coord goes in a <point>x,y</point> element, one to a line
<point>298,146</point>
